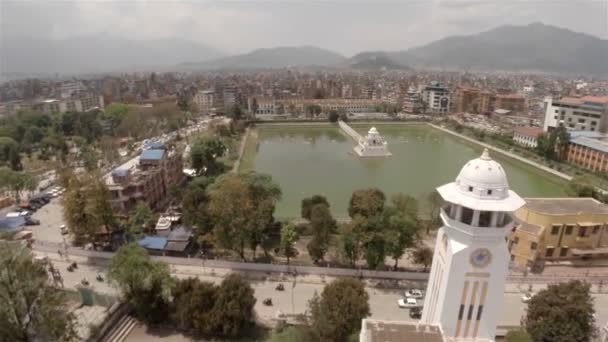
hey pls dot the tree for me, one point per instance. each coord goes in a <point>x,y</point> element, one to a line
<point>31,309</point>
<point>204,154</point>
<point>9,153</point>
<point>192,306</point>
<point>434,202</point>
<point>563,312</point>
<point>309,202</point>
<point>146,284</point>
<point>518,336</point>
<point>322,224</point>
<point>553,145</point>
<point>350,240</point>
<point>235,112</point>
<point>422,255</point>
<point>333,116</point>
<point>338,312</point>
<point>289,236</point>
<point>581,187</point>
<point>233,309</point>
<point>115,113</point>
<point>366,202</point>
<point>195,202</point>
<point>16,182</point>
<point>401,225</point>
<point>140,219</point>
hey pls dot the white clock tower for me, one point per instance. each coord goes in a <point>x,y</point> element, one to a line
<point>465,292</point>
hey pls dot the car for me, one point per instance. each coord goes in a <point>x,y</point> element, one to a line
<point>414,293</point>
<point>17,213</point>
<point>407,303</point>
<point>32,222</point>
<point>63,229</point>
<point>416,313</point>
<point>527,297</point>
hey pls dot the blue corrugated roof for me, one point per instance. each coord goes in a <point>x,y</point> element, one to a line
<point>154,145</point>
<point>153,242</point>
<point>152,155</point>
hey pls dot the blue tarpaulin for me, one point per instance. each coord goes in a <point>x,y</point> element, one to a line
<point>153,242</point>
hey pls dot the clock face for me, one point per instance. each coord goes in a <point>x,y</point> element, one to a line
<point>481,257</point>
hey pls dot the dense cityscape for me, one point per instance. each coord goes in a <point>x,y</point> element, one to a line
<point>294,195</point>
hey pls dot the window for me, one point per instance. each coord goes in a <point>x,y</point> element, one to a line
<point>569,230</point>
<point>479,311</point>
<point>549,252</point>
<point>555,230</point>
<point>484,218</point>
<point>596,229</point>
<point>489,192</point>
<point>533,246</point>
<point>470,189</point>
<point>582,231</point>
<point>563,252</point>
<point>461,312</point>
<point>466,215</point>
<point>470,314</point>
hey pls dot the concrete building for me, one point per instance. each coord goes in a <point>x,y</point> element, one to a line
<point>372,145</point>
<point>512,102</point>
<point>588,113</point>
<point>470,265</point>
<point>437,98</point>
<point>205,100</point>
<point>588,150</point>
<point>49,106</point>
<point>474,100</point>
<point>347,105</point>
<point>412,102</point>
<point>261,105</point>
<point>527,136</point>
<point>557,229</point>
<point>146,178</point>
<point>230,96</point>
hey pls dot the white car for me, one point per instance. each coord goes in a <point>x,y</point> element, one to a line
<point>407,303</point>
<point>413,293</point>
<point>527,297</point>
<point>17,214</point>
<point>63,229</point>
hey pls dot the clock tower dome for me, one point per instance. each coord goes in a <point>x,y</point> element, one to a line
<point>465,291</point>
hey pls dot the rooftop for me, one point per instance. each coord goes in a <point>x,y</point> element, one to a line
<point>594,144</point>
<point>130,165</point>
<point>382,331</point>
<point>566,206</point>
<point>529,131</point>
<point>152,154</point>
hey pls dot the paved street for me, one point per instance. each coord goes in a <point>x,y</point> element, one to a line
<point>294,300</point>
<point>51,218</point>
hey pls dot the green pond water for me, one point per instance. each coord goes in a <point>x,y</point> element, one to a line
<point>307,160</point>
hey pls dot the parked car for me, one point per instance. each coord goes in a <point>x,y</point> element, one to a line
<point>407,303</point>
<point>17,213</point>
<point>413,293</point>
<point>32,222</point>
<point>527,297</point>
<point>416,313</point>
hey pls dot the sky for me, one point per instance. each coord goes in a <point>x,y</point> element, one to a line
<point>344,26</point>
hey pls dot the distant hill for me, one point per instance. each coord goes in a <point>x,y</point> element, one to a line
<point>278,57</point>
<point>535,47</point>
<point>96,53</point>
<point>375,61</point>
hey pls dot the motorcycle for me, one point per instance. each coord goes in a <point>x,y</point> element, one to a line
<point>70,268</point>
<point>280,287</point>
<point>84,282</point>
<point>267,302</point>
<point>99,277</point>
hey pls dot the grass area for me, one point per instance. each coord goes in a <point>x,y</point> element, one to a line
<point>506,143</point>
<point>249,154</point>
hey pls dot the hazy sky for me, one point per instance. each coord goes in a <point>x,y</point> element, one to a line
<point>344,26</point>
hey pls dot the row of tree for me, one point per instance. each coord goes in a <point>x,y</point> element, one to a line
<point>193,306</point>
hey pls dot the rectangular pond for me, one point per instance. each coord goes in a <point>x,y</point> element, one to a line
<point>309,160</point>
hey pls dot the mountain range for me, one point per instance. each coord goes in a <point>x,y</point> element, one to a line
<point>534,47</point>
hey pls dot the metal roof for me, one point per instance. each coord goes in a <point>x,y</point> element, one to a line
<point>153,242</point>
<point>591,143</point>
<point>152,155</point>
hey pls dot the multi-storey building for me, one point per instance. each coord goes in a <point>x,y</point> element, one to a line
<point>347,105</point>
<point>205,100</point>
<point>437,98</point>
<point>146,178</point>
<point>261,105</point>
<point>75,104</point>
<point>412,101</point>
<point>231,96</point>
<point>556,229</point>
<point>512,102</point>
<point>588,113</point>
<point>588,150</point>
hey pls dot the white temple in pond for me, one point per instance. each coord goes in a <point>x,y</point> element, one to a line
<point>372,145</point>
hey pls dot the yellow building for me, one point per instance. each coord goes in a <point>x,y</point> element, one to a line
<point>556,229</point>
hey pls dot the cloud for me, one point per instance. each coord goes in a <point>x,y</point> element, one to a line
<point>344,26</point>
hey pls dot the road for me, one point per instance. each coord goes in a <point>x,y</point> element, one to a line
<point>294,300</point>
